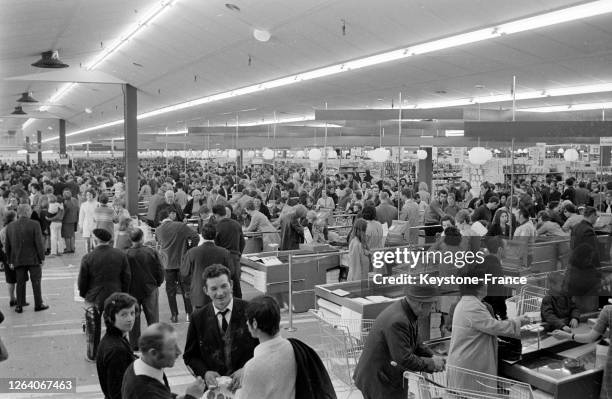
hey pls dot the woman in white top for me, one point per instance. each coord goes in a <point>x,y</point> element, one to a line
<point>526,234</point>
<point>86,217</point>
<point>325,201</point>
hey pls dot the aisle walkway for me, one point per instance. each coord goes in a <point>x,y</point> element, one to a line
<point>52,343</point>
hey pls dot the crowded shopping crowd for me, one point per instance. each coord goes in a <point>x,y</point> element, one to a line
<point>189,234</point>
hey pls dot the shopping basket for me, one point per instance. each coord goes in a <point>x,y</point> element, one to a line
<point>459,383</point>
<point>342,341</point>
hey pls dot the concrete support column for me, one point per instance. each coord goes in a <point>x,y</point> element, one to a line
<point>425,172</point>
<point>130,134</point>
<point>604,153</point>
<point>62,141</point>
<point>28,150</point>
<point>39,141</point>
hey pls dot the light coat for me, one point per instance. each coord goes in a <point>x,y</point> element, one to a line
<point>473,343</point>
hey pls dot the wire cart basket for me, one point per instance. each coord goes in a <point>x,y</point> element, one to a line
<point>528,299</point>
<point>342,342</point>
<point>460,383</point>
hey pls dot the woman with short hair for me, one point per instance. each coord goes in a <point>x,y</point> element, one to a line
<point>114,352</point>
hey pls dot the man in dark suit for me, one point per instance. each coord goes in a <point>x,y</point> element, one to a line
<point>175,238</point>
<point>219,326</point>
<point>583,233</point>
<point>198,259</point>
<point>230,237</point>
<point>104,271</point>
<point>292,230</point>
<point>25,253</point>
<point>394,338</point>
<point>147,275</point>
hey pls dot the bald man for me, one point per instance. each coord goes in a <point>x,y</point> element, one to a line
<point>170,205</point>
<point>145,378</point>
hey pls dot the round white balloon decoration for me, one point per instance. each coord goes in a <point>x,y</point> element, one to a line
<point>379,154</point>
<point>314,154</point>
<point>300,154</point>
<point>232,154</point>
<point>571,155</point>
<point>479,155</point>
<point>421,154</point>
<point>268,154</point>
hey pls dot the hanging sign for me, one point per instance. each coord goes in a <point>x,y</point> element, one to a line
<point>607,141</point>
<point>63,159</point>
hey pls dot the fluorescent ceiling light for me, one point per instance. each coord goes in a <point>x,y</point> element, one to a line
<point>47,152</point>
<point>152,15</point>
<point>539,21</point>
<point>454,133</point>
<point>81,143</point>
<point>132,31</point>
<point>27,123</point>
<point>168,133</point>
<point>570,107</point>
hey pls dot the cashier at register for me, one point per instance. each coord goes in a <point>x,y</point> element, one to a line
<point>604,323</point>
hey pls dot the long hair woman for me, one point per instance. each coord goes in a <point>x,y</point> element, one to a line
<point>500,225</point>
<point>358,255</point>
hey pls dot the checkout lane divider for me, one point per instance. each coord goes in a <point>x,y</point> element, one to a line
<point>291,328</point>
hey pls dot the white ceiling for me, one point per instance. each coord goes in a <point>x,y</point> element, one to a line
<point>198,48</point>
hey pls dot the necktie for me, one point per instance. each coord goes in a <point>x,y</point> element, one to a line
<point>224,324</point>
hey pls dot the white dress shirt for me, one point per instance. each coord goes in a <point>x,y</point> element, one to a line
<point>141,368</point>
<point>228,315</point>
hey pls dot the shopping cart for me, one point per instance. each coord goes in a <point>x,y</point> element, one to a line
<point>528,299</point>
<point>459,383</point>
<point>342,341</point>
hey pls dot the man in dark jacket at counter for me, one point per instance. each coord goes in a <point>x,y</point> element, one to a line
<point>104,271</point>
<point>230,237</point>
<point>147,276</point>
<point>584,233</point>
<point>393,347</point>
<point>292,230</point>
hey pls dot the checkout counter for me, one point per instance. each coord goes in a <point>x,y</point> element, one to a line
<point>268,272</point>
<point>554,369</point>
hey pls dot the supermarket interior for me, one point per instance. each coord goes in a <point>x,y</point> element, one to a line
<point>350,199</point>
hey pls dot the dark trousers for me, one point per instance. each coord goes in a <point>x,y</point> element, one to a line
<point>236,272</point>
<point>173,281</point>
<point>150,307</point>
<point>35,273</point>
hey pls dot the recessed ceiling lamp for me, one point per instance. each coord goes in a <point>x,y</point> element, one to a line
<point>232,7</point>
<point>88,110</point>
<point>50,59</point>
<point>261,35</point>
<point>18,111</point>
<point>568,14</point>
<point>49,127</point>
<point>26,98</point>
